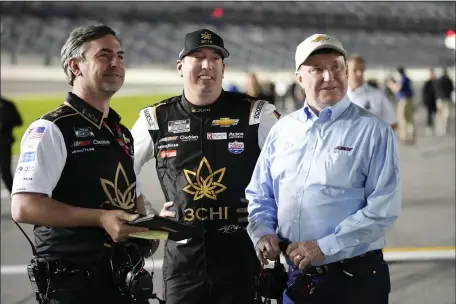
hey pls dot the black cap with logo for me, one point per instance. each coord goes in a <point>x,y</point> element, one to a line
<point>203,38</point>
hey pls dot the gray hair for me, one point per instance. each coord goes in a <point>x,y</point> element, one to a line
<point>74,46</point>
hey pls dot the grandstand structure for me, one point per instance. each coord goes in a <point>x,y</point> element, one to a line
<point>257,34</point>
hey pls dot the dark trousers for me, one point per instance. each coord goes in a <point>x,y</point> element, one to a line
<point>371,285</point>
<point>95,288</point>
<point>5,164</point>
<point>185,291</point>
<point>430,116</point>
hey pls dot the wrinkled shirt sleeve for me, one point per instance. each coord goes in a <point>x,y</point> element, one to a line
<point>262,206</point>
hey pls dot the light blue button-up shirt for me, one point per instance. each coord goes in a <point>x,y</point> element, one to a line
<point>333,178</point>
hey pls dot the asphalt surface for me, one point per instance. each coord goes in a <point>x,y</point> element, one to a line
<point>427,219</point>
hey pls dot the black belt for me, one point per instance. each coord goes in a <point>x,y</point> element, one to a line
<point>347,265</point>
<point>58,266</point>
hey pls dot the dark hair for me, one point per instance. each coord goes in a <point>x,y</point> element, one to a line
<point>74,46</point>
<point>401,70</point>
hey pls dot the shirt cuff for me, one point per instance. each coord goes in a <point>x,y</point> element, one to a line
<point>256,233</point>
<point>329,245</point>
<point>30,189</point>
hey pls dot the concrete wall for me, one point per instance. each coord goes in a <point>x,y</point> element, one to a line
<point>167,76</point>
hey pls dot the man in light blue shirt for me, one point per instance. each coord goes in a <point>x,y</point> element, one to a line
<point>328,182</point>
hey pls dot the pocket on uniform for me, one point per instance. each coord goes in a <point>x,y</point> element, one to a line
<point>338,167</point>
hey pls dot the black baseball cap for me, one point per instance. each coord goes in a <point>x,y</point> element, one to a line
<point>203,38</point>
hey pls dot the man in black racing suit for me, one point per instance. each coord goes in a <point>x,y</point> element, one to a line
<point>206,143</point>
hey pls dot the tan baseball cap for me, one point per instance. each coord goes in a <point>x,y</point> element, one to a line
<point>316,42</point>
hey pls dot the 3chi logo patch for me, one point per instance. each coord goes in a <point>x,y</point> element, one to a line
<point>204,182</point>
<point>120,192</point>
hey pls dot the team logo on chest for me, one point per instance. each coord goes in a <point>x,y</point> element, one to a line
<point>204,182</point>
<point>120,193</point>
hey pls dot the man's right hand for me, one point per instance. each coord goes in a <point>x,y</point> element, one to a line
<point>115,224</point>
<point>167,213</point>
<point>267,248</point>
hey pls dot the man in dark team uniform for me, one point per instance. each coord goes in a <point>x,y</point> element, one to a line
<point>206,143</point>
<point>75,180</point>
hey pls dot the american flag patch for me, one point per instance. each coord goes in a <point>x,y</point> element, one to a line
<point>36,132</point>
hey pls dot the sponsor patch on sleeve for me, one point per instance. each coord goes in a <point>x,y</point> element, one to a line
<point>255,113</point>
<point>152,122</point>
<point>27,157</point>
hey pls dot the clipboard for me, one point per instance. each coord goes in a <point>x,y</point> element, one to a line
<point>164,228</point>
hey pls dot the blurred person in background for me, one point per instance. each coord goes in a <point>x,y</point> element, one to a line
<point>429,101</point>
<point>74,162</point>
<point>388,92</point>
<point>405,108</point>
<point>332,189</point>
<point>443,89</point>
<point>9,119</point>
<point>366,96</point>
<point>253,87</point>
<point>232,88</point>
<point>269,93</point>
<point>297,95</point>
<point>256,90</point>
<point>206,143</point>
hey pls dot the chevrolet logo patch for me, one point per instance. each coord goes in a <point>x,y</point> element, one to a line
<point>225,122</point>
<point>320,38</point>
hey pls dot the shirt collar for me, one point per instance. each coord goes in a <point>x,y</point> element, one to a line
<point>214,107</point>
<point>333,112</point>
<point>91,114</point>
<point>309,114</point>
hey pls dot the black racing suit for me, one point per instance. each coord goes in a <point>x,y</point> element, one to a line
<point>205,157</point>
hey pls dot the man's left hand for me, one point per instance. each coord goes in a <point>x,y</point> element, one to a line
<point>303,253</point>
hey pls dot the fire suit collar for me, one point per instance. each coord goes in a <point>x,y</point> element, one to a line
<point>203,110</point>
<point>88,112</point>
